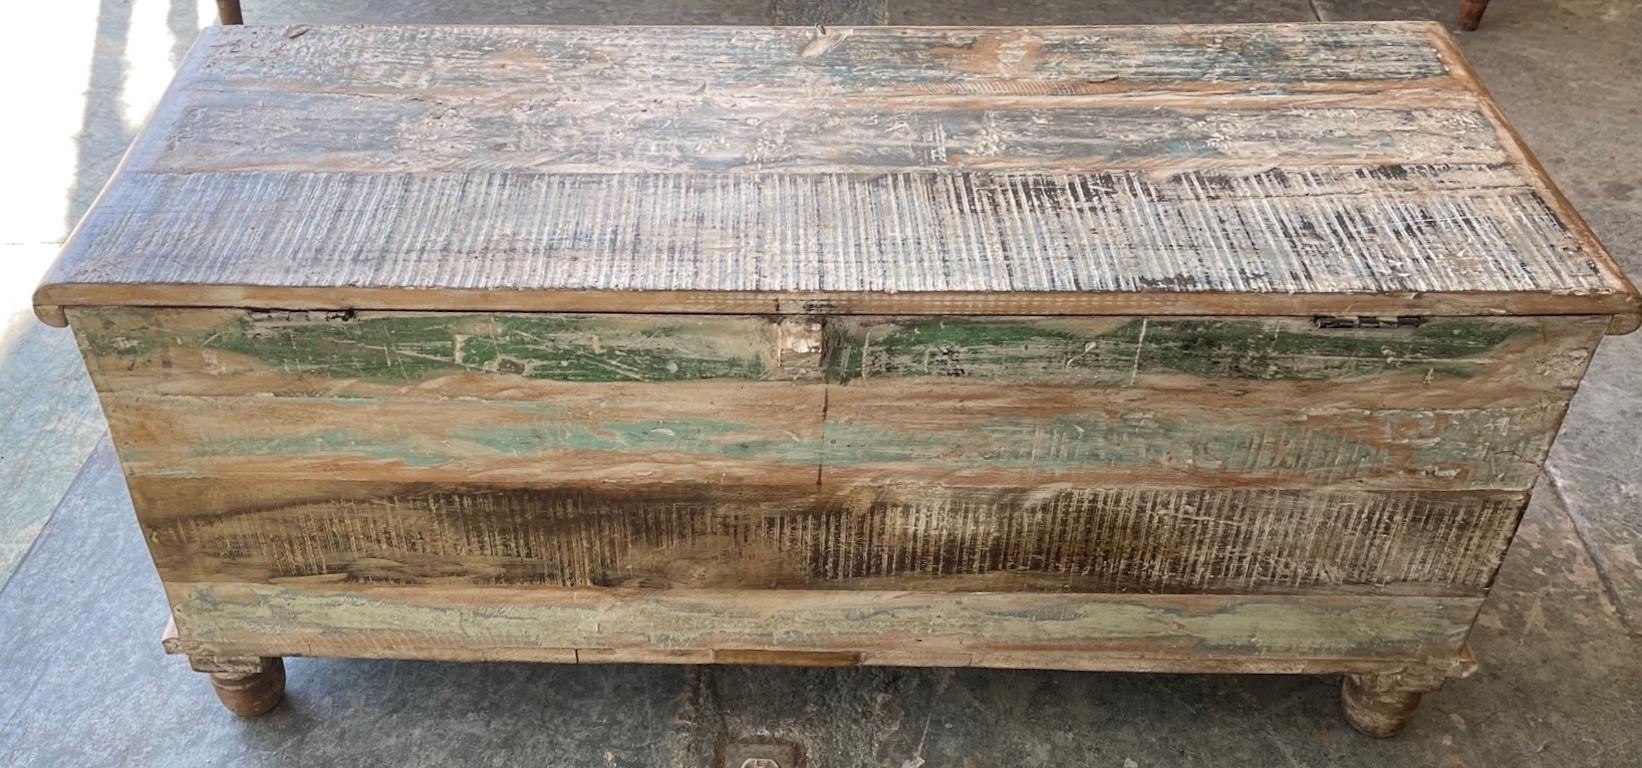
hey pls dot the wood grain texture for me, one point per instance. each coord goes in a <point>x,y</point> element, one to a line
<point>1220,361</point>
<point>1454,362</point>
<point>1061,170</point>
<point>934,538</point>
<point>912,434</point>
<point>905,60</point>
<point>760,436</point>
<point>590,434</point>
<point>963,629</point>
<point>634,400</point>
<point>341,353</point>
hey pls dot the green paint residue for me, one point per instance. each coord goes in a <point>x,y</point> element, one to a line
<point>728,439</point>
<point>702,437</point>
<point>1095,440</point>
<point>415,454</point>
<point>411,347</point>
<point>1242,349</point>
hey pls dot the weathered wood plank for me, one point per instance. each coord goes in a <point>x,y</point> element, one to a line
<point>830,226</point>
<point>1178,170</point>
<point>544,623</point>
<point>767,433</point>
<point>53,302</point>
<point>786,61</point>
<point>933,538</point>
<point>330,352</point>
<point>910,433</point>
<point>1507,356</point>
<point>633,134</point>
<point>1218,362</point>
<point>760,433</point>
<point>1402,230</point>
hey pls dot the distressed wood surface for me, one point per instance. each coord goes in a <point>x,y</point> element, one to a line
<point>500,623</point>
<point>1219,363</point>
<point>914,434</point>
<point>761,449</point>
<point>1276,169</point>
<point>645,399</point>
<point>1451,362</point>
<point>591,434</point>
<point>504,356</point>
<point>936,538</point>
<point>681,434</point>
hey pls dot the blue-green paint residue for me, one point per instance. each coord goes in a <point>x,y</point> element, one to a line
<point>412,347</point>
<point>1239,349</point>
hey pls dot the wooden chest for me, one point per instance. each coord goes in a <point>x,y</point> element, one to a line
<point>1202,349</point>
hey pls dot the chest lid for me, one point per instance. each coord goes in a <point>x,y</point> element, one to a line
<point>1331,169</point>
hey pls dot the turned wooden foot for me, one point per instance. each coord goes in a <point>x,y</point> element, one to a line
<point>1471,13</point>
<point>247,686</point>
<point>1382,705</point>
<point>228,12</point>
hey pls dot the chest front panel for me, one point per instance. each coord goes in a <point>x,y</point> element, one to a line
<point>1186,454</point>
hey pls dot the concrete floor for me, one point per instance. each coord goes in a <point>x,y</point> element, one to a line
<point>83,681</point>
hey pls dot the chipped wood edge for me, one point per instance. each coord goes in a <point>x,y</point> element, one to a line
<point>1628,314</point>
<point>51,300</point>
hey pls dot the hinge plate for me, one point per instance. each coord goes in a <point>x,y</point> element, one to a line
<point>1368,321</point>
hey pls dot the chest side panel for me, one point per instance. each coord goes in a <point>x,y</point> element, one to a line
<point>731,453</point>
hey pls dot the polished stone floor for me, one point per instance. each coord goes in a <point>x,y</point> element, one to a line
<point>83,681</point>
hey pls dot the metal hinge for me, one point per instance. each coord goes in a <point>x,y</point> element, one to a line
<point>1368,321</point>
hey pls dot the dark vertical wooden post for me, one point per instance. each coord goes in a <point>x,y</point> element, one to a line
<point>1471,13</point>
<point>228,12</point>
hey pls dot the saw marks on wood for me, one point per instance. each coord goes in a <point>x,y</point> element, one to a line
<point>1325,230</point>
<point>835,170</point>
<point>841,537</point>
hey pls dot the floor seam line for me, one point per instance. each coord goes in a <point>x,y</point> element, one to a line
<point>1587,542</point>
<point>45,527</point>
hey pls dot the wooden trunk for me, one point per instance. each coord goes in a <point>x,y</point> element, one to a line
<point>1186,349</point>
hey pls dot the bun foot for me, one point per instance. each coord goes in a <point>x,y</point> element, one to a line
<point>1382,705</point>
<point>246,686</point>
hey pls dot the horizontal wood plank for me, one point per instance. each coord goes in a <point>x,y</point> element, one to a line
<point>379,135</point>
<point>805,60</point>
<point>1413,228</point>
<point>343,353</point>
<point>910,433</point>
<point>934,538</point>
<point>760,433</point>
<point>1221,362</point>
<point>1448,361</point>
<point>773,432</point>
<point>883,627</point>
